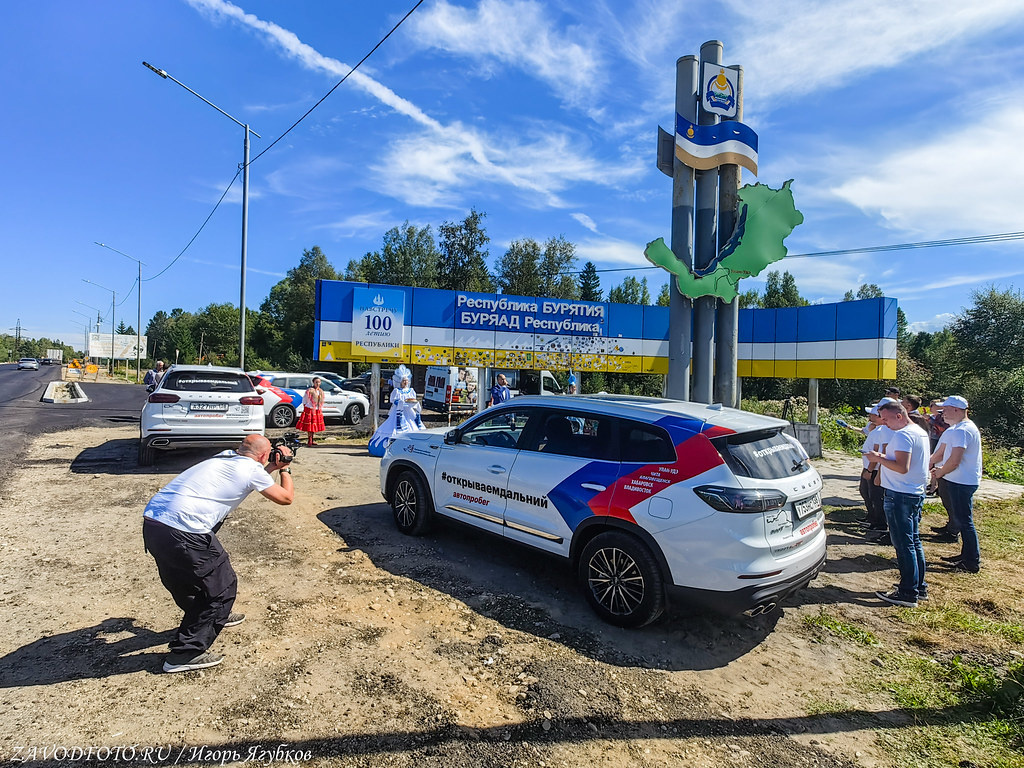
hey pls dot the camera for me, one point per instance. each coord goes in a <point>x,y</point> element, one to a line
<point>288,439</point>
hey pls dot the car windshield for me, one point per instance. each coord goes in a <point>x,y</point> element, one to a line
<point>765,454</point>
<point>206,381</point>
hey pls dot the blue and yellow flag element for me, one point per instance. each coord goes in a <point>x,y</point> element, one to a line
<point>708,146</point>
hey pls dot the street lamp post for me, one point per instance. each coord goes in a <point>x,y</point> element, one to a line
<point>245,206</point>
<point>113,306</point>
<point>99,318</point>
<point>85,349</point>
<point>138,327</point>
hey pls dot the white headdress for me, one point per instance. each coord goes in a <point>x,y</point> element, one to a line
<point>401,372</point>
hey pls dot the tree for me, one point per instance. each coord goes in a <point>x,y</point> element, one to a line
<point>869,291</point>
<point>630,291</point>
<point>781,291</point>
<point>518,271</point>
<point>590,283</point>
<point>462,261</point>
<point>664,296</point>
<point>289,309</point>
<point>558,260</point>
<point>124,330</point>
<point>990,334</point>
<point>750,299</point>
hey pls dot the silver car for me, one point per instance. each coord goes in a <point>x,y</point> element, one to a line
<point>28,363</point>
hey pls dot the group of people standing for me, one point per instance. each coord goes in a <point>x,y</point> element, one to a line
<point>906,455</point>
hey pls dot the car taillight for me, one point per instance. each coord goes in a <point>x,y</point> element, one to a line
<point>163,397</point>
<point>741,499</point>
<point>251,400</point>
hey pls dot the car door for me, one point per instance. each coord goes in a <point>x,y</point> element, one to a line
<point>566,460</point>
<point>471,474</point>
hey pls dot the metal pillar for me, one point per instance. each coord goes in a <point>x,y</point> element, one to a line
<point>706,248</point>
<point>727,315</point>
<point>245,242</point>
<point>680,308</point>
<point>812,401</point>
<point>374,394</point>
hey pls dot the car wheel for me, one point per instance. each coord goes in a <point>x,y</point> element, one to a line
<point>354,414</point>
<point>411,504</point>
<point>282,416</point>
<point>147,455</point>
<point>621,580</point>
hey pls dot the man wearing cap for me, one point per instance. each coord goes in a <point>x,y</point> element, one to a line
<point>904,474</point>
<point>957,461</point>
<point>877,440</point>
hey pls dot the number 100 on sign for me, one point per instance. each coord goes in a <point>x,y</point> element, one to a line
<point>378,321</point>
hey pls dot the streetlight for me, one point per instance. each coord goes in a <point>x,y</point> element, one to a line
<point>113,305</point>
<point>245,206</point>
<point>138,327</point>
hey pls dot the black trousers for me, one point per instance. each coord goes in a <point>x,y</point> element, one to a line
<point>876,515</point>
<point>197,572</point>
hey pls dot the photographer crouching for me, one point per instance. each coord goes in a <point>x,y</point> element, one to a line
<point>179,530</point>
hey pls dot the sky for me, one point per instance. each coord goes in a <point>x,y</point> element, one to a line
<point>898,123</point>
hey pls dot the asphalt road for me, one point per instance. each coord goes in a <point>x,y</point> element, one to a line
<point>23,414</point>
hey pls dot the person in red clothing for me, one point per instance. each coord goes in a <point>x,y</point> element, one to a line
<point>312,419</point>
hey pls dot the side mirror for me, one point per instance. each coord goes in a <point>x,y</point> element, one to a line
<point>451,437</point>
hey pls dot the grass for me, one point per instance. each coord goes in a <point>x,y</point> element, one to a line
<point>1006,464</point>
<point>824,620</point>
<point>951,617</point>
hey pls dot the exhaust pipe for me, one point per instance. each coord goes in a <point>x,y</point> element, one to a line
<point>760,610</point>
<point>160,441</point>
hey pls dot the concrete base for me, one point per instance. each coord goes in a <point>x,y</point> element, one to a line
<point>64,392</point>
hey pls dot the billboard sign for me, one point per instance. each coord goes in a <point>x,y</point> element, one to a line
<point>378,322</point>
<point>124,346</point>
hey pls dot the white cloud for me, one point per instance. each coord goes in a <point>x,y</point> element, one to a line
<point>432,167</point>
<point>936,323</point>
<point>607,250</point>
<point>585,221</point>
<point>372,223</point>
<point>958,182</point>
<point>515,34</point>
<point>953,281</point>
<point>812,45</point>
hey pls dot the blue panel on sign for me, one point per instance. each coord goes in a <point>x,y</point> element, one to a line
<point>746,326</point>
<point>817,323</point>
<point>764,326</point>
<point>336,301</point>
<point>564,317</point>
<point>655,322</point>
<point>434,308</point>
<point>858,319</point>
<point>625,320</point>
<point>889,318</point>
<point>786,324</point>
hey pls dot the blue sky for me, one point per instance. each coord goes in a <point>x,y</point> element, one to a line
<point>898,122</point>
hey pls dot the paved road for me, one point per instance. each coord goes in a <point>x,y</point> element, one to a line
<point>23,414</point>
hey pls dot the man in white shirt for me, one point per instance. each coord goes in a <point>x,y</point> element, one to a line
<point>904,476</point>
<point>876,440</point>
<point>179,529</point>
<point>957,461</point>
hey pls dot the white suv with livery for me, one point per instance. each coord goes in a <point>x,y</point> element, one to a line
<point>649,499</point>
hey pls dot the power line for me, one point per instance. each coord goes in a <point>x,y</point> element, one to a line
<point>973,240</point>
<point>336,85</point>
<point>201,228</point>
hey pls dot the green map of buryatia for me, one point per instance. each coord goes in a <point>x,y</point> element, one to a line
<point>767,217</point>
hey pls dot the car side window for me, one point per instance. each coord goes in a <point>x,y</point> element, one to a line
<point>502,430</point>
<point>645,443</point>
<point>300,382</point>
<point>582,435</point>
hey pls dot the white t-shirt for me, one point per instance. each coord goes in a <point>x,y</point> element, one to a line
<point>869,442</point>
<point>201,497</point>
<point>913,440</point>
<point>878,438</point>
<point>964,435</point>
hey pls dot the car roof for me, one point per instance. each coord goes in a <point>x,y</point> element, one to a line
<point>206,368</point>
<point>653,409</point>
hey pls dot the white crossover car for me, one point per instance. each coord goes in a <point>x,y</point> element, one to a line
<point>647,498</point>
<point>197,406</point>
<point>282,395</point>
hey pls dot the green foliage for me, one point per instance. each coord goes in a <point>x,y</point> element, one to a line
<point>518,271</point>
<point>781,291</point>
<point>630,291</point>
<point>559,258</point>
<point>990,334</point>
<point>590,283</point>
<point>664,296</point>
<point>462,262</point>
<point>840,628</point>
<point>1006,464</point>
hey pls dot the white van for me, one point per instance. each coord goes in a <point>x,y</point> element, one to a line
<point>527,382</point>
<point>449,388</point>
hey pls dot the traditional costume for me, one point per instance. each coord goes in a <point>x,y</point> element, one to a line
<point>404,416</point>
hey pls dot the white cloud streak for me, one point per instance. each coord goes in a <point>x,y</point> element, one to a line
<point>585,221</point>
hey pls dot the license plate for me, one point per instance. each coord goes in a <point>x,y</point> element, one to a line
<point>216,407</point>
<point>804,507</point>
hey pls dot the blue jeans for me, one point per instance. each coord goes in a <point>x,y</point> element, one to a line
<point>961,509</point>
<point>903,513</point>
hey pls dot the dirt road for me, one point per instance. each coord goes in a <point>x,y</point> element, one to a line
<point>364,647</point>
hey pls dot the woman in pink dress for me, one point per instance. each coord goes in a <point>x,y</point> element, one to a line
<point>312,419</point>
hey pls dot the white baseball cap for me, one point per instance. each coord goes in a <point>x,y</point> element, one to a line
<point>873,410</point>
<point>954,401</point>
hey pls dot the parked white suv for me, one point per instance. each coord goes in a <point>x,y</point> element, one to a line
<point>197,406</point>
<point>647,498</point>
